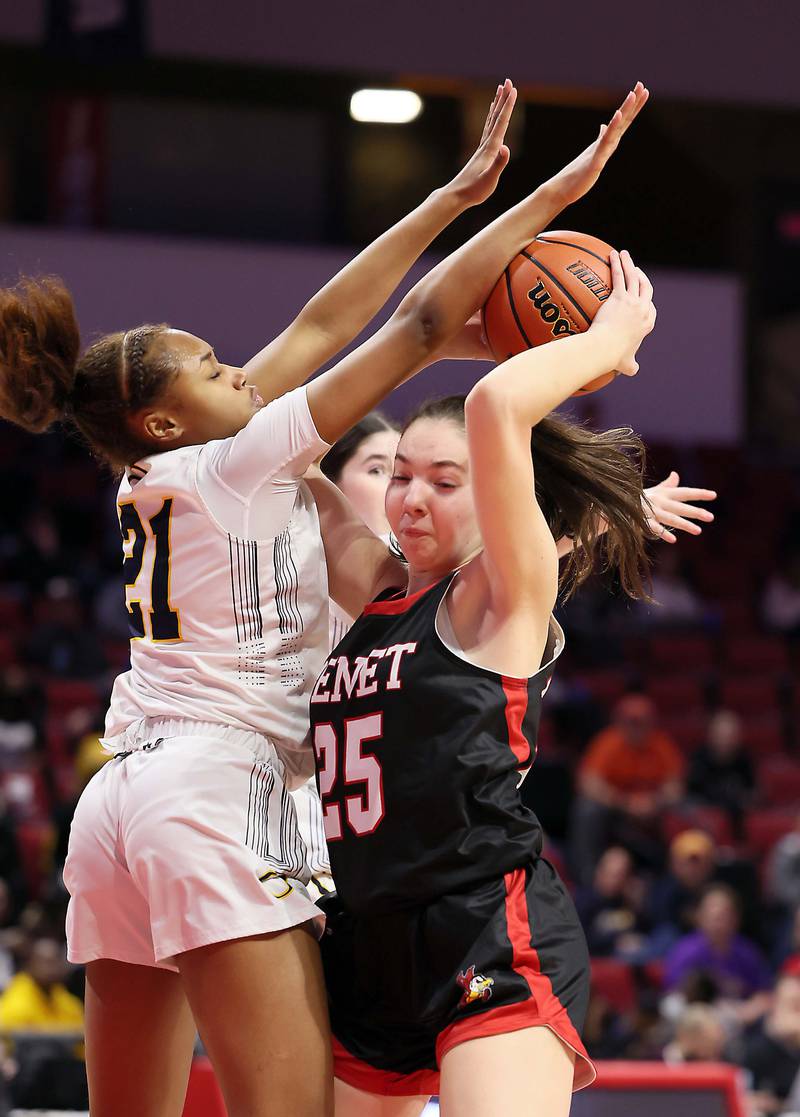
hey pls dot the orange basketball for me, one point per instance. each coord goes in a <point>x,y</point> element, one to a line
<point>552,289</point>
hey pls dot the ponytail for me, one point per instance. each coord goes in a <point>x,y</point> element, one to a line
<point>44,379</point>
<point>39,347</point>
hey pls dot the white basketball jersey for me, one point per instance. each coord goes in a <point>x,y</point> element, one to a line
<point>226,586</point>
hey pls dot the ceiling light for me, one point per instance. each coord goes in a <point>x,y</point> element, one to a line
<point>385,106</point>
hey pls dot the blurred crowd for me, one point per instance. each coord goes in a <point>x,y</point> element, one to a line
<point>667,777</point>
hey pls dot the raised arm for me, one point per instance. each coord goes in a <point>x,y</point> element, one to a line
<point>669,508</point>
<point>519,556</point>
<point>338,313</point>
<point>435,310</point>
<point>359,564</point>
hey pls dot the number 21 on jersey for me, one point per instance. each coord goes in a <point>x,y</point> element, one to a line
<point>165,622</point>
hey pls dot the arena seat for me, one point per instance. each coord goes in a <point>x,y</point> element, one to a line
<point>687,651</point>
<point>713,820</point>
<point>36,838</point>
<point>779,781</point>
<point>613,981</point>
<point>676,692</point>
<point>65,695</point>
<point>687,727</point>
<point>767,826</point>
<point>749,694</point>
<point>754,653</point>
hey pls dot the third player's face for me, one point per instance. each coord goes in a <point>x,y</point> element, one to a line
<point>429,501</point>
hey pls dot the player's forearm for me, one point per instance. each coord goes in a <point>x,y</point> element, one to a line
<point>527,387</point>
<point>339,312</point>
<point>461,283</point>
<point>354,296</point>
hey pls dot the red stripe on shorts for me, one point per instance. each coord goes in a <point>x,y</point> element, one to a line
<point>386,1083</point>
<point>543,1008</point>
<point>516,692</point>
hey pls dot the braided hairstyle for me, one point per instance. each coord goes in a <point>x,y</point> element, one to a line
<point>582,476</point>
<point>44,379</point>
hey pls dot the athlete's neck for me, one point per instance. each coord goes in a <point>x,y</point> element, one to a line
<point>421,579</point>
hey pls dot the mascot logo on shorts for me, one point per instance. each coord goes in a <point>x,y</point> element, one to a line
<point>476,987</point>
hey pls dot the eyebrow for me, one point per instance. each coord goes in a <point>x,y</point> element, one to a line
<point>442,464</point>
<point>376,458</point>
<point>207,356</point>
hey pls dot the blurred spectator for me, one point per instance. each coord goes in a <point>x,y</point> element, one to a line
<point>630,772</point>
<point>699,1036</point>
<point>780,605</point>
<point>675,896</point>
<point>717,950</point>
<point>721,771</point>
<point>782,875</point>
<point>10,860</point>
<point>771,1051</point>
<point>61,642</point>
<point>36,999</point>
<point>674,600</point>
<point>21,708</point>
<point>38,553</point>
<point>34,1009</point>
<point>611,909</point>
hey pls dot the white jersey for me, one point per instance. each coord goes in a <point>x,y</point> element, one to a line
<point>226,586</point>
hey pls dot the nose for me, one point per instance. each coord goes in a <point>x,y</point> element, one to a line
<point>414,497</point>
<point>239,378</point>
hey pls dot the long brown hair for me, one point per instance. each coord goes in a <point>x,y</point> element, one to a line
<point>44,379</point>
<point>582,477</point>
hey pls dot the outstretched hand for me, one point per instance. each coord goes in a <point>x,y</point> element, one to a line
<point>579,176</point>
<point>667,507</point>
<point>479,178</point>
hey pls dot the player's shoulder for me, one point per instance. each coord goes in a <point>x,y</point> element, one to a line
<point>174,470</point>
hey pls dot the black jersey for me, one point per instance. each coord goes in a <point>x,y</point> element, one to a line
<point>419,759</point>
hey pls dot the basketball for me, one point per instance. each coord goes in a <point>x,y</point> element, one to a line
<point>552,289</point>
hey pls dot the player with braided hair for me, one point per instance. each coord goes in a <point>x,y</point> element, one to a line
<point>186,873</point>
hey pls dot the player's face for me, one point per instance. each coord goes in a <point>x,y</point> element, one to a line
<point>365,476</point>
<point>206,399</point>
<point>429,501</point>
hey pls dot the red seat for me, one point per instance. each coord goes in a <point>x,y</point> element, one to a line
<point>36,839</point>
<point>606,687</point>
<point>678,693</point>
<point>613,981</point>
<point>65,695</point>
<point>688,728</point>
<point>756,653</point>
<point>749,694</point>
<point>686,653</point>
<point>765,827</point>
<point>713,820</point>
<point>764,736</point>
<point>779,782</point>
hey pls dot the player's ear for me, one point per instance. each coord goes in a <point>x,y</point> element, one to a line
<point>160,426</point>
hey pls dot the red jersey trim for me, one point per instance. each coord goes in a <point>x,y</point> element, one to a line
<point>516,708</point>
<point>392,606</point>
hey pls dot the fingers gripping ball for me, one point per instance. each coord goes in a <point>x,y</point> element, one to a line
<point>552,289</point>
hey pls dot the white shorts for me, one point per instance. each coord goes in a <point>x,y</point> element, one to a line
<point>188,839</point>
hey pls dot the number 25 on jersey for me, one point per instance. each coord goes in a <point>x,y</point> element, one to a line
<point>165,622</point>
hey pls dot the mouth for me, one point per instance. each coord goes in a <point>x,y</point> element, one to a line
<point>413,532</point>
<point>256,398</point>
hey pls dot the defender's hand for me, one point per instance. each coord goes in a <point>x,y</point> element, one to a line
<point>667,506</point>
<point>579,176</point>
<point>477,181</point>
